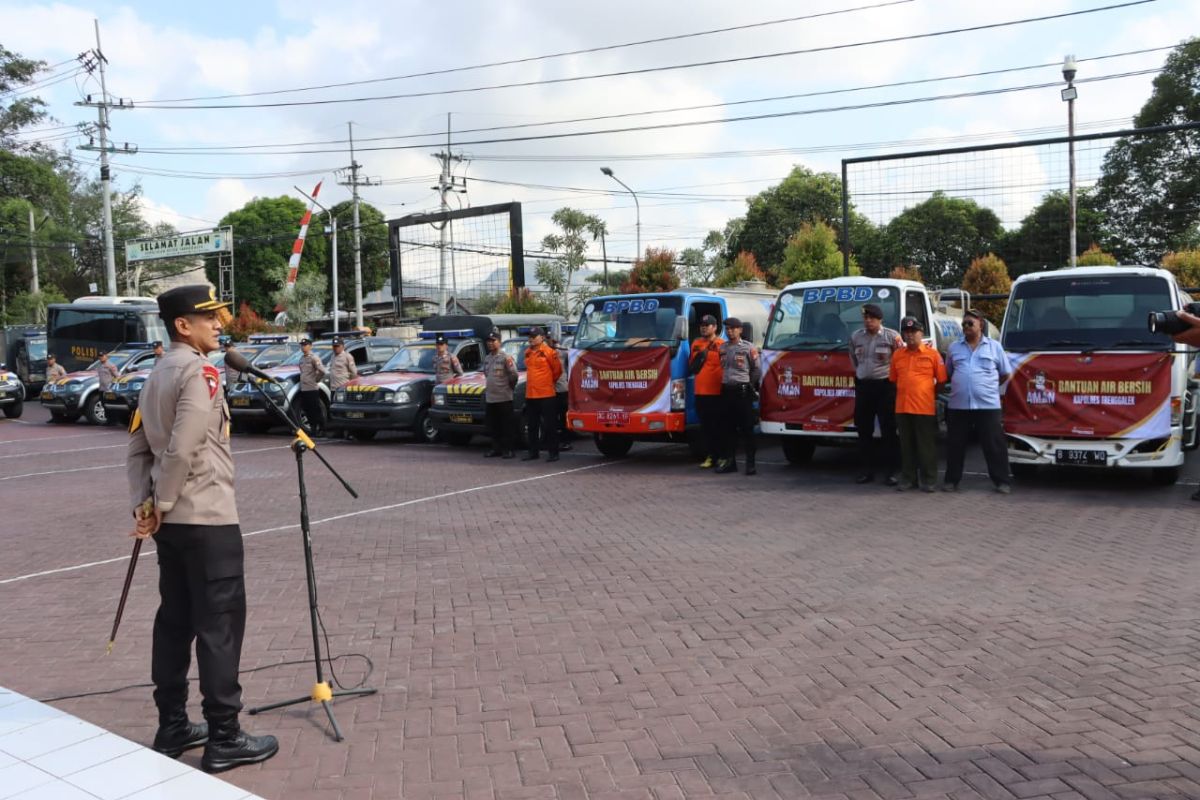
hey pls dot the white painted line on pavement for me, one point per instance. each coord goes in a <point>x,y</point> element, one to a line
<point>322,521</point>
<point>110,466</point>
<point>60,452</point>
<point>56,438</point>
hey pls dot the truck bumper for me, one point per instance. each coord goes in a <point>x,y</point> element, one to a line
<point>373,416</point>
<point>626,423</point>
<point>831,438</point>
<point>459,420</point>
<point>1116,453</point>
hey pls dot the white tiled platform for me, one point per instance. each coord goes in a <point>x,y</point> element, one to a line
<point>46,754</point>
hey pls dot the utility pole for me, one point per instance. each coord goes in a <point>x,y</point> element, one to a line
<point>354,183</point>
<point>103,105</point>
<point>33,284</point>
<point>446,183</point>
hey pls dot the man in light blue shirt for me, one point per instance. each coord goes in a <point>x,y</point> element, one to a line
<point>977,366</point>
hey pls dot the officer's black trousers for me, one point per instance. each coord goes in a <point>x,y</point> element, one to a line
<point>990,427</point>
<point>311,403</point>
<point>737,400</point>
<point>541,424</point>
<point>876,399</point>
<point>710,407</point>
<point>202,598</point>
<point>499,419</point>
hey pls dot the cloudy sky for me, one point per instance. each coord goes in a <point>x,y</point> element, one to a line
<point>690,177</point>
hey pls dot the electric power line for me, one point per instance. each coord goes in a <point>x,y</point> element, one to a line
<point>149,104</point>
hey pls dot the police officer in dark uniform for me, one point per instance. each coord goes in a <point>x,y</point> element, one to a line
<point>740,374</point>
<point>180,472</point>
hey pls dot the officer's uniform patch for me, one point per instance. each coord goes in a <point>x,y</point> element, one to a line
<point>213,379</point>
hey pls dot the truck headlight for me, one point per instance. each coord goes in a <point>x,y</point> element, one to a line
<point>439,399</point>
<point>401,397</point>
<point>339,396</point>
<point>678,394</point>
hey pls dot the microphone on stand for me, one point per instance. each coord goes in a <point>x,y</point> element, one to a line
<point>238,361</point>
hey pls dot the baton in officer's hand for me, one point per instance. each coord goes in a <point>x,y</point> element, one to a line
<point>145,510</point>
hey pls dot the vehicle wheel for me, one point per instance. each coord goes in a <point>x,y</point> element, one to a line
<point>14,411</point>
<point>1164,476</point>
<point>94,411</point>
<point>425,429</point>
<point>458,439</point>
<point>363,436</point>
<point>1024,471</point>
<point>797,450</point>
<point>612,445</point>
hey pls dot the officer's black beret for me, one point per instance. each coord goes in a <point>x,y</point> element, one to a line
<point>911,324</point>
<point>156,344</point>
<point>537,330</point>
<point>494,336</point>
<point>306,341</point>
<point>872,310</point>
<point>337,341</point>
<point>441,339</point>
<point>733,322</point>
<point>708,319</point>
<point>194,299</point>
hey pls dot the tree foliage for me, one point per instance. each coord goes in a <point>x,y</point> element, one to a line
<point>264,231</point>
<point>27,308</point>
<point>1149,189</point>
<point>1095,257</point>
<point>1186,266</point>
<point>376,267</point>
<point>903,273</point>
<point>520,300</point>
<point>247,322</point>
<point>18,112</point>
<point>307,301</point>
<point>942,235</point>
<point>571,249</point>
<point>744,267</point>
<point>1043,241</point>
<point>988,274</point>
<point>812,254</point>
<point>654,273</point>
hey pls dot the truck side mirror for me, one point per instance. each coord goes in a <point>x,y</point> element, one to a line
<point>680,330</point>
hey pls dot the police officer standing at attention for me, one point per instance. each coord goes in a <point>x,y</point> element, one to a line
<point>740,374</point>
<point>54,370</point>
<point>342,370</point>
<point>107,372</point>
<point>180,472</point>
<point>542,369</point>
<point>158,352</point>
<point>705,364</point>
<point>500,378</point>
<point>311,373</point>
<point>445,363</point>
<point>871,349</point>
<point>231,374</point>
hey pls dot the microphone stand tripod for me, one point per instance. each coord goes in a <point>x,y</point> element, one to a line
<point>322,692</point>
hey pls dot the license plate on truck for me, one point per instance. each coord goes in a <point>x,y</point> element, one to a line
<point>356,415</point>
<point>462,419</point>
<point>1086,458</point>
<point>241,401</point>
<point>613,417</point>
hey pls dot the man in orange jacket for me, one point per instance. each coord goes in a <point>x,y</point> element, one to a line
<point>705,364</point>
<point>917,370</point>
<point>542,369</point>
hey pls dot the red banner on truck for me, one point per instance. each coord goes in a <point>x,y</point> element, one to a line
<point>637,380</point>
<point>1103,396</point>
<point>815,390</point>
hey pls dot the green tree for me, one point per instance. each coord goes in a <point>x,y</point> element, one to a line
<point>701,264</point>
<point>1044,238</point>
<point>903,273</point>
<point>942,235</point>
<point>988,274</point>
<point>376,266</point>
<point>264,231</point>
<point>18,112</point>
<point>1186,266</point>
<point>1149,187</point>
<point>654,273</point>
<point>27,308</point>
<point>571,249</point>
<point>773,215</point>
<point>812,254</point>
<point>1095,257</point>
<point>520,300</point>
<point>744,267</point>
<point>307,301</point>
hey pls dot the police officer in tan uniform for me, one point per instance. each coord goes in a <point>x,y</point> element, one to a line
<point>180,472</point>
<point>341,367</point>
<point>445,363</point>
<point>741,372</point>
<point>500,378</point>
<point>107,372</point>
<point>54,370</point>
<point>311,373</point>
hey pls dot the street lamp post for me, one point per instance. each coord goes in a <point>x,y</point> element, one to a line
<point>637,206</point>
<point>1069,94</point>
<point>333,229</point>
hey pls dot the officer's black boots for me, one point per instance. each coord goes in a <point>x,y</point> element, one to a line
<point>176,733</point>
<point>750,469</point>
<point>229,746</point>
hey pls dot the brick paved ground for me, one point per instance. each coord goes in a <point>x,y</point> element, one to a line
<point>640,629</point>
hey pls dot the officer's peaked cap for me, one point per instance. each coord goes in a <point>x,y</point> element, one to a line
<point>196,298</point>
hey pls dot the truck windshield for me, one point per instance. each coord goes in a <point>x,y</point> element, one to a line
<point>822,318</point>
<point>322,351</point>
<point>37,349</point>
<point>411,358</point>
<point>1092,313</point>
<point>516,348</point>
<point>623,322</point>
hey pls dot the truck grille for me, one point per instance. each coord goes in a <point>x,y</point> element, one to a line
<point>464,401</point>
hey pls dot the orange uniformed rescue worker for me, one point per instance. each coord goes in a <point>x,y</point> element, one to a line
<point>917,370</point>
<point>542,369</point>
<point>705,364</point>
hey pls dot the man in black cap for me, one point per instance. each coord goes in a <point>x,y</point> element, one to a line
<point>542,369</point>
<point>500,378</point>
<point>312,370</point>
<point>705,364</point>
<point>445,363</point>
<point>741,372</point>
<point>871,349</point>
<point>180,474</point>
<point>158,352</point>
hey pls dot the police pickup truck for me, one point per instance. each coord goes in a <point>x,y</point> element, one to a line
<point>78,394</point>
<point>12,393</point>
<point>249,410</point>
